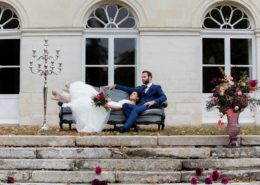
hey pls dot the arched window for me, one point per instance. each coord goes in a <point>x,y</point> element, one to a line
<point>9,65</point>
<point>224,48</point>
<point>227,42</point>
<point>111,42</point>
<point>226,17</point>
<point>8,19</point>
<point>111,16</point>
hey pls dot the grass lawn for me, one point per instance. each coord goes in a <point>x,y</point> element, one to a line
<point>144,130</point>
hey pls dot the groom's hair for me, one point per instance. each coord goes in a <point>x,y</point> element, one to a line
<point>148,73</point>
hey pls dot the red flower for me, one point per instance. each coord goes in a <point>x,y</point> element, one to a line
<point>199,171</point>
<point>101,96</point>
<point>220,123</point>
<point>208,180</point>
<point>95,182</point>
<point>224,180</point>
<point>98,170</point>
<point>194,180</point>
<point>230,112</point>
<point>214,81</point>
<point>215,175</point>
<point>103,183</point>
<point>10,180</point>
<point>253,83</point>
<point>100,99</point>
<point>251,89</point>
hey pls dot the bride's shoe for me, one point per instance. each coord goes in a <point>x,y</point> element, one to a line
<point>67,85</point>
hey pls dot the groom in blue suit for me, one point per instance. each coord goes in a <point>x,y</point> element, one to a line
<point>152,97</point>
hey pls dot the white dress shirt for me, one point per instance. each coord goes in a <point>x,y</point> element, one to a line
<point>148,86</point>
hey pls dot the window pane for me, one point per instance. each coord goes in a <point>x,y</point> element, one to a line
<point>128,23</point>
<point>112,10</point>
<point>97,76</point>
<point>9,80</point>
<point>213,51</point>
<point>241,51</point>
<point>94,23</point>
<point>125,76</point>
<point>10,52</point>
<point>209,73</point>
<point>124,51</point>
<point>101,14</point>
<point>96,51</point>
<point>237,71</point>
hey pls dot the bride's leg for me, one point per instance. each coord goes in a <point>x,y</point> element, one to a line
<point>55,95</point>
<point>64,98</point>
<point>60,97</point>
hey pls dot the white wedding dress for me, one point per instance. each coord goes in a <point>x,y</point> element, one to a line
<point>88,117</point>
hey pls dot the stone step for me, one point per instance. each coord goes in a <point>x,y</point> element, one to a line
<point>120,177</point>
<point>32,140</point>
<point>233,183</point>
<point>89,164</point>
<point>127,152</point>
<point>126,141</point>
<point>129,164</point>
<point>242,163</point>
<point>37,164</point>
<point>132,164</point>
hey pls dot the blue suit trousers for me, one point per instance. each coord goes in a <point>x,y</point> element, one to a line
<point>131,113</point>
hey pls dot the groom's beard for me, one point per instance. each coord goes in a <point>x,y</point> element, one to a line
<point>145,82</point>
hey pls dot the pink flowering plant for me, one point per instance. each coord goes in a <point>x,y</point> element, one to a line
<point>232,94</point>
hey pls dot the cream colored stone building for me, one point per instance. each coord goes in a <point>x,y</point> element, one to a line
<point>183,42</point>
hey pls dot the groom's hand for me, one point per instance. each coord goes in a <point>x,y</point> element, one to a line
<point>110,87</point>
<point>150,103</point>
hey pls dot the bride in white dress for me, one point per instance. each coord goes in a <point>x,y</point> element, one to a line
<point>89,117</point>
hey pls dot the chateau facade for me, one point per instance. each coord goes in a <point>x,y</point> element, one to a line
<point>182,42</point>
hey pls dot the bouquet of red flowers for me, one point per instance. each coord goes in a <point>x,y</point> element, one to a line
<point>100,99</point>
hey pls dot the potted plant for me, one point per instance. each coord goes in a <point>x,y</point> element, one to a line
<point>231,95</point>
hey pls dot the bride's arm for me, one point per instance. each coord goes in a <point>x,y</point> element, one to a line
<point>113,105</point>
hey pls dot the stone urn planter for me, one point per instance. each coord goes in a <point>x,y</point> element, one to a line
<point>233,129</point>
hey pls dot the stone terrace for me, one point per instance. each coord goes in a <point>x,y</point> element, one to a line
<point>125,159</point>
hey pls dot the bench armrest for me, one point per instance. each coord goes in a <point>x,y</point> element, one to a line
<point>60,103</point>
<point>164,104</point>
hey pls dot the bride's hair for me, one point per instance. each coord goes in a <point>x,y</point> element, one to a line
<point>139,95</point>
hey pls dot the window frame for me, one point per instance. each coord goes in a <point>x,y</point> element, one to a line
<point>227,38</point>
<point>111,34</point>
<point>210,117</point>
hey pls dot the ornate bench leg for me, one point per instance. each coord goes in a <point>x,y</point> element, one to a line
<point>61,122</point>
<point>162,127</point>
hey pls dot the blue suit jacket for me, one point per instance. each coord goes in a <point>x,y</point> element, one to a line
<point>154,93</point>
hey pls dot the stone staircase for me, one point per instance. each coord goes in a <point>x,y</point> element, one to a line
<point>125,159</point>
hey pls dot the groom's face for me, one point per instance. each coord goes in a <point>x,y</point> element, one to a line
<point>145,78</point>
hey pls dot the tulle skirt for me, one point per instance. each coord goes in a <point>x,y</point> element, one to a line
<point>88,117</point>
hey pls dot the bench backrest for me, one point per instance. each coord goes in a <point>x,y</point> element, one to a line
<point>116,95</point>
